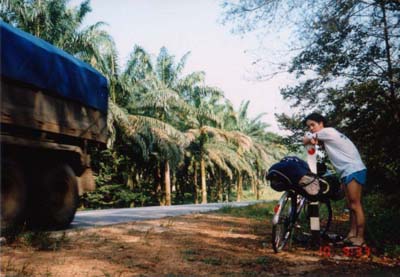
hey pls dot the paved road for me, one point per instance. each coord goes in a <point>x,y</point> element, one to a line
<point>114,216</point>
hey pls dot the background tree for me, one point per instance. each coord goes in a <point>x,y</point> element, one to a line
<point>348,68</point>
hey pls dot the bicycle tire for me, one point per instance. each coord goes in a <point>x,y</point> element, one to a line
<point>283,221</point>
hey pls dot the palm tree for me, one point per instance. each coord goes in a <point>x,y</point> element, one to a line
<point>154,95</point>
<point>220,148</point>
<point>264,151</point>
<point>165,139</point>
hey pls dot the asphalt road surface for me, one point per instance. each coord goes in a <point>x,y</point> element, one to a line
<point>114,216</point>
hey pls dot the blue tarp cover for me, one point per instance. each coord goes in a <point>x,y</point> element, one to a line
<point>36,62</point>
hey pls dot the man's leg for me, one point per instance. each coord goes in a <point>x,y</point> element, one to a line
<point>353,193</point>
<point>353,224</point>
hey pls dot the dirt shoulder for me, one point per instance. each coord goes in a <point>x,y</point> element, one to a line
<point>192,245</point>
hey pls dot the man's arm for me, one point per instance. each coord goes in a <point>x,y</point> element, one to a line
<point>310,138</point>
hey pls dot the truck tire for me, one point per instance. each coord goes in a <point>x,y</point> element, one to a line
<point>13,198</point>
<point>56,200</point>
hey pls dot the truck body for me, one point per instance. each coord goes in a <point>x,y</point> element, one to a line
<point>53,108</point>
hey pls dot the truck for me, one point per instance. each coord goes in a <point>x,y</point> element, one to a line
<point>53,111</point>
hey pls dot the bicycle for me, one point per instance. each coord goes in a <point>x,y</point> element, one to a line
<point>292,213</point>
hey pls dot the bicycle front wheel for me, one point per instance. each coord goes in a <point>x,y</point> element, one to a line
<point>282,222</point>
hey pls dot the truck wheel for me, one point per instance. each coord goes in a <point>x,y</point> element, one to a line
<point>13,198</point>
<point>56,201</point>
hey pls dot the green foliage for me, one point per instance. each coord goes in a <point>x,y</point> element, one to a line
<point>113,167</point>
<point>110,196</point>
<point>382,217</point>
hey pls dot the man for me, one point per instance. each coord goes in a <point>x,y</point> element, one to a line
<point>347,161</point>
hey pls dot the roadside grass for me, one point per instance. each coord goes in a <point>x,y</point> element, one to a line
<point>260,260</point>
<point>44,241</point>
<point>190,255</point>
<point>40,240</point>
<point>266,193</point>
<point>169,223</point>
<point>212,261</point>
<point>257,211</point>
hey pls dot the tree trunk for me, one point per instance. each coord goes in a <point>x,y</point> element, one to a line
<point>196,185</point>
<point>253,186</point>
<point>389,62</point>
<point>239,187</point>
<point>130,182</point>
<point>219,187</point>
<point>181,188</point>
<point>158,186</point>
<point>258,189</point>
<point>228,193</point>
<point>167,183</point>
<point>203,181</point>
<point>175,187</point>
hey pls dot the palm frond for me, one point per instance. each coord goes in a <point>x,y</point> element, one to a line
<point>182,63</point>
<point>164,99</point>
<point>191,80</point>
<point>162,130</point>
<point>217,157</point>
<point>241,140</point>
<point>227,155</point>
<point>139,65</point>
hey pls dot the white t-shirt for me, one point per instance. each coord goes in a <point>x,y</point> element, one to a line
<point>341,151</point>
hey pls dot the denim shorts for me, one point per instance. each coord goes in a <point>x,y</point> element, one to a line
<point>359,176</point>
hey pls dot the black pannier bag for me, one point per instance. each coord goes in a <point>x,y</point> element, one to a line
<point>335,191</point>
<point>292,173</point>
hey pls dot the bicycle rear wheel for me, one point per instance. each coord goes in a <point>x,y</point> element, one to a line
<point>303,221</point>
<point>325,217</point>
<point>282,222</point>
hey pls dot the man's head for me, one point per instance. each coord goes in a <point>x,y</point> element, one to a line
<point>315,122</point>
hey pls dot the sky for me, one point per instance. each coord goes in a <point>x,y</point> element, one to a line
<point>195,25</point>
